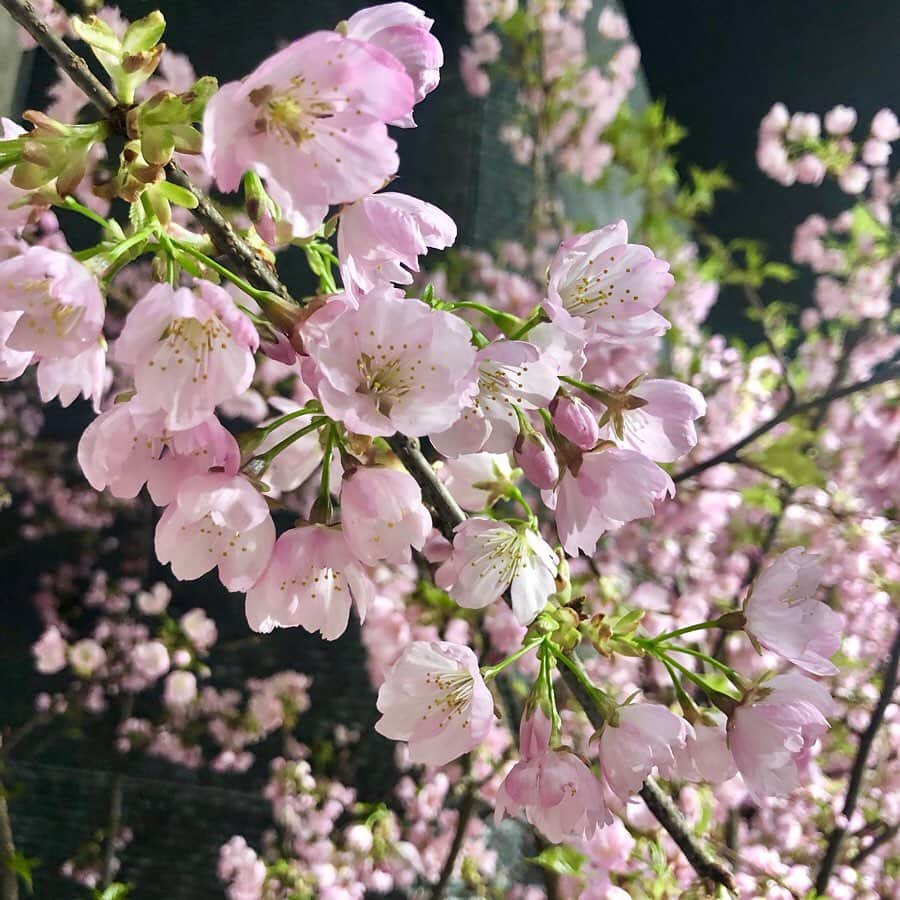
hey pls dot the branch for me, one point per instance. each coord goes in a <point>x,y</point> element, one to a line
<point>859,765</point>
<point>223,236</point>
<point>887,834</point>
<point>466,807</point>
<point>662,807</point>
<point>788,411</point>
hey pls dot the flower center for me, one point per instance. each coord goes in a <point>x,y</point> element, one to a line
<point>453,693</point>
<point>386,380</point>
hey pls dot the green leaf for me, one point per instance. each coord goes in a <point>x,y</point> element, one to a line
<point>23,866</point>
<point>560,858</point>
<point>791,457</point>
<point>145,33</point>
<point>762,496</point>
<point>116,891</point>
<point>178,195</point>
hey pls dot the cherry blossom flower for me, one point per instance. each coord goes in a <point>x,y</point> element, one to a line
<point>151,659</point>
<point>771,737</point>
<point>553,788</point>
<point>86,656</point>
<point>59,300</point>
<point>189,351</point>
<point>435,699</point>
<point>69,377</point>
<point>598,279</point>
<point>510,374</point>
<point>662,426</point>
<point>49,652</point>
<point>492,557</point>
<point>784,616</point>
<point>216,520</point>
<point>199,629</point>
<point>405,32</point>
<point>128,446</point>
<point>154,601</point>
<point>381,238</point>
<point>180,689</point>
<point>606,489</point>
<point>312,580</point>
<point>382,515</point>
<point>311,121</point>
<point>840,120</point>
<point>705,756</point>
<point>647,735</point>
<point>394,364</point>
<point>476,479</point>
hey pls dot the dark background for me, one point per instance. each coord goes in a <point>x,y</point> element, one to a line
<point>718,65</point>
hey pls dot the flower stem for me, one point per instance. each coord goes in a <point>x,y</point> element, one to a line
<point>269,455</point>
<point>688,629</point>
<point>226,273</point>
<point>532,321</point>
<point>489,672</point>
<point>72,204</point>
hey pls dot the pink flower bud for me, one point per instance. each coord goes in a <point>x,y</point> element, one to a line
<point>576,421</point>
<point>537,460</point>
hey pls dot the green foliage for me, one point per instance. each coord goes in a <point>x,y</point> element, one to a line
<point>23,866</point>
<point>791,457</point>
<point>559,858</point>
<point>116,891</point>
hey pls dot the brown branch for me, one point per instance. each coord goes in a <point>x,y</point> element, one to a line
<point>888,833</point>
<point>660,804</point>
<point>466,808</point>
<point>223,236</point>
<point>788,411</point>
<point>859,766</point>
<point>447,513</point>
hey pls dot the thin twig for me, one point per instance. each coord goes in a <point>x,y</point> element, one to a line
<point>466,807</point>
<point>886,835</point>
<point>859,766</point>
<point>730,454</point>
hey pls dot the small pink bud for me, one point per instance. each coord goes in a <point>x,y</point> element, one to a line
<point>537,460</point>
<point>576,421</point>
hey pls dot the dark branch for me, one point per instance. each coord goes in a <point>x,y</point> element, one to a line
<point>223,236</point>
<point>662,807</point>
<point>465,810</point>
<point>836,837</point>
<point>9,881</point>
<point>730,454</point>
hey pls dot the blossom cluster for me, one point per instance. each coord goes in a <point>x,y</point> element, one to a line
<point>552,398</point>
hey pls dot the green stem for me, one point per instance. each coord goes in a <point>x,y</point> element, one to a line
<point>72,204</point>
<point>546,676</point>
<point>489,672</point>
<point>725,669</point>
<point>532,321</point>
<point>598,697</point>
<point>308,410</point>
<point>210,263</point>
<point>701,626</point>
<point>506,322</point>
<point>269,455</point>
<point>325,487</point>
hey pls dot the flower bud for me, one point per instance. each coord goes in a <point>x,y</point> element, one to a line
<point>576,421</point>
<point>537,460</point>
